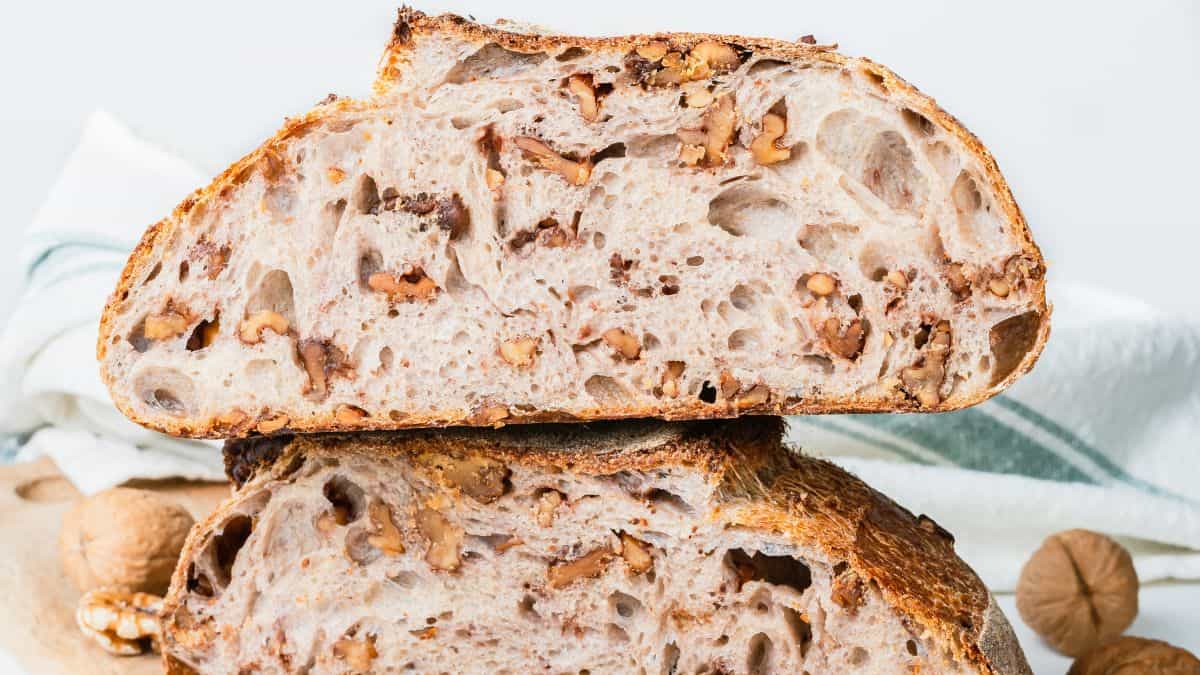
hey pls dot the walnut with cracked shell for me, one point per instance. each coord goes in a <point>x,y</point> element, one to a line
<point>123,539</point>
<point>1136,655</point>
<point>1078,591</point>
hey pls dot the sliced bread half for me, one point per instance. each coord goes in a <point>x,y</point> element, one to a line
<point>613,547</point>
<point>521,227</point>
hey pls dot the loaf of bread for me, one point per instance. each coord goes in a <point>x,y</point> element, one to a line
<point>520,227</point>
<point>613,547</point>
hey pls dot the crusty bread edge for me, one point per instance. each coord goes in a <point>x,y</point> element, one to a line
<point>410,26</point>
<point>764,486</point>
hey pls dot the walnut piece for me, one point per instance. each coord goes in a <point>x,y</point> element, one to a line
<point>821,284</point>
<point>387,537</point>
<point>756,395</point>
<point>445,539</point>
<point>924,380</point>
<point>357,654</point>
<point>494,179</point>
<point>765,147</point>
<point>897,279</point>
<point>411,285</point>
<point>1078,591</point>
<point>251,329</point>
<point>581,86</point>
<point>270,425</point>
<point>166,324</point>
<point>623,342</point>
<point>123,539</point>
<point>999,288</point>
<point>1128,655</point>
<point>847,591</point>
<point>122,623</point>
<point>847,343</point>
<point>591,565</point>
<point>483,479</point>
<point>489,415</point>
<point>547,503</point>
<point>349,415</point>
<point>575,173</point>
<point>720,122</point>
<point>519,352</point>
<point>636,554</point>
<point>670,378</point>
<point>702,62</point>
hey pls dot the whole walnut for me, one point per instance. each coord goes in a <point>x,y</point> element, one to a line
<point>123,539</point>
<point>1078,591</point>
<point>1135,655</point>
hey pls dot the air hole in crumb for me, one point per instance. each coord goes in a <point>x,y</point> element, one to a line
<point>571,53</point>
<point>759,659</point>
<point>491,62</point>
<point>275,294</point>
<point>153,273</point>
<point>780,570</point>
<point>746,210</point>
<point>911,646</point>
<point>743,297</point>
<point>858,656</point>
<point>659,497</point>
<point>204,333</point>
<point>800,629</point>
<point>695,261</point>
<point>183,271</point>
<point>366,195</point>
<point>721,641</point>
<point>624,605</point>
<point>598,240</point>
<point>670,658</point>
<point>605,390</point>
<point>369,262</point>
<point>855,301</point>
<point>359,548</point>
<point>1011,340</point>
<point>616,633</point>
<point>818,361</point>
<point>609,152</point>
<point>331,215</point>
<point>918,123</point>
<point>229,543</point>
<point>527,607</point>
<point>875,79</point>
<point>137,337</point>
<point>708,393</point>
<point>346,497</point>
<point>385,359</point>
<point>744,339</point>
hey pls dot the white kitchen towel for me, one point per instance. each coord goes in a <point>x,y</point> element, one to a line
<point>112,187</point>
<point>1103,434</point>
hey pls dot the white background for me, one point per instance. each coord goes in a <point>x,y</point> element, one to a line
<point>1091,109</point>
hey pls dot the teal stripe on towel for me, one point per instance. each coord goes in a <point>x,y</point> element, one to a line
<point>974,440</point>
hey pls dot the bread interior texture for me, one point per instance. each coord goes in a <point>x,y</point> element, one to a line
<point>501,235</point>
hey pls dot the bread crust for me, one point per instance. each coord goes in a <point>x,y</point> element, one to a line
<point>763,485</point>
<point>411,26</point>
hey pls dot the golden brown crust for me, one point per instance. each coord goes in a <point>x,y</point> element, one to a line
<point>410,27</point>
<point>764,486</point>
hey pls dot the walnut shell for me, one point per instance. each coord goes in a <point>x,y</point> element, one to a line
<point>123,539</point>
<point>1078,591</point>
<point>1131,655</point>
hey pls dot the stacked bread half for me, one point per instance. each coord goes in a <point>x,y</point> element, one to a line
<point>618,260</point>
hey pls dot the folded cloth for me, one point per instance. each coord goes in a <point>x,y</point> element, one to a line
<point>1101,434</point>
<point>111,188</point>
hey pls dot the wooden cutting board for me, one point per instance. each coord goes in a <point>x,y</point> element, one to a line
<point>37,600</point>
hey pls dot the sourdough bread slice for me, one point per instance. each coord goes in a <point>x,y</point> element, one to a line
<point>521,227</point>
<point>637,546</point>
